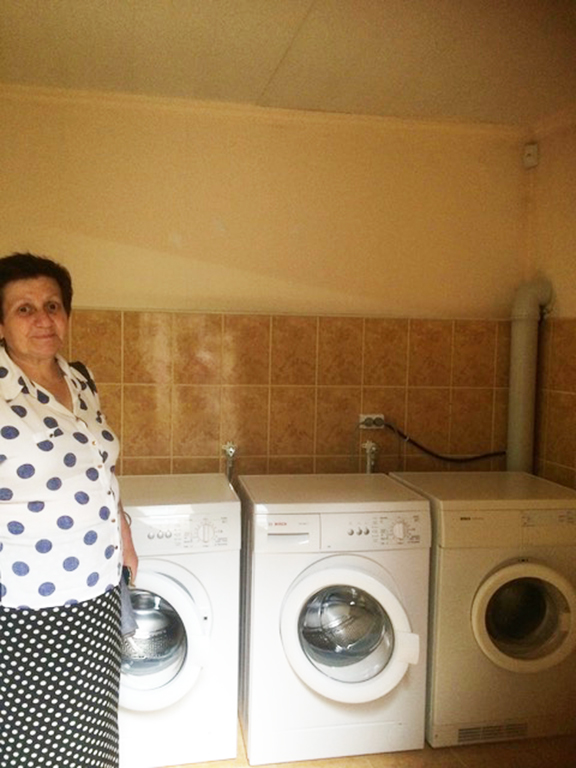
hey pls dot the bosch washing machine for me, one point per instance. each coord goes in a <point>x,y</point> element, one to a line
<point>503,606</point>
<point>179,682</point>
<point>335,589</point>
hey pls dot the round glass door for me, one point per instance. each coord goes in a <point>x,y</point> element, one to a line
<point>158,646</point>
<point>523,617</point>
<point>345,632</point>
<point>162,660</point>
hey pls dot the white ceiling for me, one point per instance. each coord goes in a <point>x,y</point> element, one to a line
<point>497,61</point>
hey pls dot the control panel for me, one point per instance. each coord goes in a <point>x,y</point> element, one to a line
<point>542,527</point>
<point>173,534</point>
<point>375,531</point>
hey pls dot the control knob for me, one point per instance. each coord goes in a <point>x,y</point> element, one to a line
<point>205,532</point>
<point>399,530</point>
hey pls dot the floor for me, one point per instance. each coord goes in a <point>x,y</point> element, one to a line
<point>559,752</point>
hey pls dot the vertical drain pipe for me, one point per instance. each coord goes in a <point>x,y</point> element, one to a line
<point>529,301</point>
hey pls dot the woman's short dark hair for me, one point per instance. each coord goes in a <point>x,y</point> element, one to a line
<point>24,266</point>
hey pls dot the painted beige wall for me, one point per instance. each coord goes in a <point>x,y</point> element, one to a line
<point>156,204</point>
<point>555,211</point>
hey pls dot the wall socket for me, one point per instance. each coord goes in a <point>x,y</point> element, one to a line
<point>372,421</point>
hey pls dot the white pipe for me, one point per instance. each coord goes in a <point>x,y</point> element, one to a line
<point>526,313</point>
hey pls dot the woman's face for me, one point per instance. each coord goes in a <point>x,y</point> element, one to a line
<point>35,321</point>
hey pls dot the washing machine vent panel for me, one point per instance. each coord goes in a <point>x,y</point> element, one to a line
<point>493,732</point>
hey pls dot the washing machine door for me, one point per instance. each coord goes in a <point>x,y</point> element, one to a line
<point>162,661</point>
<point>345,631</point>
<point>524,617</point>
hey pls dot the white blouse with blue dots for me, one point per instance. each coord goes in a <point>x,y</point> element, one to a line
<point>59,524</point>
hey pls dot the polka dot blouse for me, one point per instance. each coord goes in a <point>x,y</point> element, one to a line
<point>59,528</point>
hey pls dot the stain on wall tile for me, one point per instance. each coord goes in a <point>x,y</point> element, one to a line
<point>246,349</point>
<point>197,349</point>
<point>147,348</point>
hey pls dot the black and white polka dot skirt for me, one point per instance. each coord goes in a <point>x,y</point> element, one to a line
<point>59,681</point>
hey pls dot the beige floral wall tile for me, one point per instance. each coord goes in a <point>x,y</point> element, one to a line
<point>291,465</point>
<point>246,349</point>
<point>472,420</point>
<point>422,462</point>
<point>500,430</point>
<point>503,331</point>
<point>147,348</point>
<point>196,421</point>
<point>561,429</point>
<point>146,466</point>
<point>111,402</point>
<point>428,418</point>
<point>340,351</point>
<point>474,358</point>
<point>96,340</point>
<point>251,465</point>
<point>294,344</point>
<point>385,352</point>
<point>197,348</point>
<point>338,465</point>
<point>244,419</point>
<point>195,466</point>
<point>292,420</point>
<point>336,420</point>
<point>430,353</point>
<point>146,418</point>
<point>563,356</point>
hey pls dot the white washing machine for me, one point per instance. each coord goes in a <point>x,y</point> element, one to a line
<point>503,606</point>
<point>335,583</point>
<point>179,683</point>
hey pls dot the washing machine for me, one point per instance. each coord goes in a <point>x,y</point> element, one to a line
<point>179,681</point>
<point>503,606</point>
<point>335,587</point>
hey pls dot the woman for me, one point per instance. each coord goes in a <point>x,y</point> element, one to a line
<point>63,537</point>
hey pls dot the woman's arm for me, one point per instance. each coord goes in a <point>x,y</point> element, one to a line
<point>130,556</point>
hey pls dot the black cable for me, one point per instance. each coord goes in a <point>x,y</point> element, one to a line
<point>379,423</point>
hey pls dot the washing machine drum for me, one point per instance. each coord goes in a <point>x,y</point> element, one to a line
<point>345,631</point>
<point>524,617</point>
<point>159,641</point>
<point>341,626</point>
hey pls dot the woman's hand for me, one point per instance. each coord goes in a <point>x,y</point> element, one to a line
<point>130,559</point>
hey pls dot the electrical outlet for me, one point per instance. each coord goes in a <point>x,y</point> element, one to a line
<point>371,421</point>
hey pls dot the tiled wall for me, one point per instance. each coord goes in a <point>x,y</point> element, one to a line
<point>557,402</point>
<point>288,390</point>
